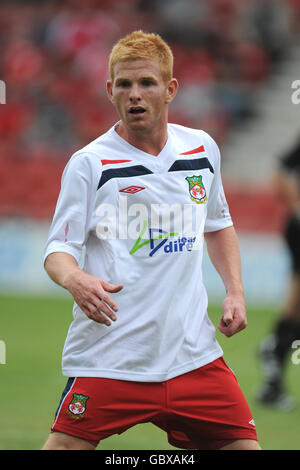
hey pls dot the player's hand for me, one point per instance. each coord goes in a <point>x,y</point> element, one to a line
<point>92,295</point>
<point>234,318</point>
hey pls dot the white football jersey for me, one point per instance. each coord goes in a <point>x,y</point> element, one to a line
<point>138,220</point>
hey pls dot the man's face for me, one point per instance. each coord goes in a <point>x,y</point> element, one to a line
<point>140,94</point>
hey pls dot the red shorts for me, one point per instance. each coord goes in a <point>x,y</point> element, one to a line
<point>202,409</point>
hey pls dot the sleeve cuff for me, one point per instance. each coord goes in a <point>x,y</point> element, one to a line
<point>64,248</point>
<point>217,225</point>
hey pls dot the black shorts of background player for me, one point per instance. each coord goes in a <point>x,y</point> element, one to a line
<point>276,348</point>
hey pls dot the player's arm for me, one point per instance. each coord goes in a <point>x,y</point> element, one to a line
<point>224,252</point>
<point>90,293</point>
<point>66,239</point>
<point>286,187</point>
<point>286,179</point>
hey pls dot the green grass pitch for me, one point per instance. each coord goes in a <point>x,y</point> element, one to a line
<point>33,330</point>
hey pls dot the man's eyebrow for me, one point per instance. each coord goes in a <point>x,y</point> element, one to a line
<point>149,78</point>
<point>124,79</point>
<point>121,79</point>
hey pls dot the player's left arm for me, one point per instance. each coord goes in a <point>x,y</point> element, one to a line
<point>224,252</point>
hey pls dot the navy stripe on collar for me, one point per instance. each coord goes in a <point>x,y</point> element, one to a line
<point>195,164</point>
<point>136,170</point>
<point>139,170</point>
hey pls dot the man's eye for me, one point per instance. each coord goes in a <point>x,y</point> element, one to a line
<point>147,82</point>
<point>123,84</point>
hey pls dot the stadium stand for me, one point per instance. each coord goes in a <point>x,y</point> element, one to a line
<point>54,66</point>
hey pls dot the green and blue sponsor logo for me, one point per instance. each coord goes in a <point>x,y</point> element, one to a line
<point>169,242</point>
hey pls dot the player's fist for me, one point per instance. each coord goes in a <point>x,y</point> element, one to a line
<point>234,317</point>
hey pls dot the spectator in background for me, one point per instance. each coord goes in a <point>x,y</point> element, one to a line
<point>275,349</point>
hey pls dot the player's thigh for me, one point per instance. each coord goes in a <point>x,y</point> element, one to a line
<point>94,408</point>
<point>62,441</point>
<point>293,300</point>
<point>210,409</point>
<point>242,444</point>
<point>292,237</point>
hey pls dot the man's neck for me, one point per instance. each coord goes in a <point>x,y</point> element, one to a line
<point>149,142</point>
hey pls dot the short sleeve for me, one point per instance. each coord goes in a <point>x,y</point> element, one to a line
<point>218,215</point>
<point>68,230</point>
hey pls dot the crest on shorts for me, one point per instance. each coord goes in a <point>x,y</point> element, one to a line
<point>197,189</point>
<point>77,406</point>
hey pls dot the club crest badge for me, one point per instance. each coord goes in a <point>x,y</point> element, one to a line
<point>77,407</point>
<point>197,189</point>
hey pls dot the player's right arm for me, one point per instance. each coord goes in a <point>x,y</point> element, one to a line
<point>67,236</point>
<point>89,292</point>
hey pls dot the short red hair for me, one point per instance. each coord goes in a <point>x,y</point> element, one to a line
<point>146,46</point>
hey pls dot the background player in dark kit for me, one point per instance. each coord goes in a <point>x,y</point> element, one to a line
<point>274,350</point>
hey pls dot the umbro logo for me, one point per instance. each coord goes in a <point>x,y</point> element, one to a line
<point>132,189</point>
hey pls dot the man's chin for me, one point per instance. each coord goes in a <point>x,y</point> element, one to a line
<point>138,126</point>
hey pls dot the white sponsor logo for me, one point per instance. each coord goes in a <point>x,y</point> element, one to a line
<point>128,223</point>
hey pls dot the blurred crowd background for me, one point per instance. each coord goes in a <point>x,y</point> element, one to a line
<point>54,64</point>
<point>228,56</point>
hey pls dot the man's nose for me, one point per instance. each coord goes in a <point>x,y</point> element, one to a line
<point>135,94</point>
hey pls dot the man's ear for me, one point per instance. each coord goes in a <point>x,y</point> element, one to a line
<point>109,90</point>
<point>171,90</point>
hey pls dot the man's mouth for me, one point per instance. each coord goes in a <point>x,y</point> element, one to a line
<point>137,110</point>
